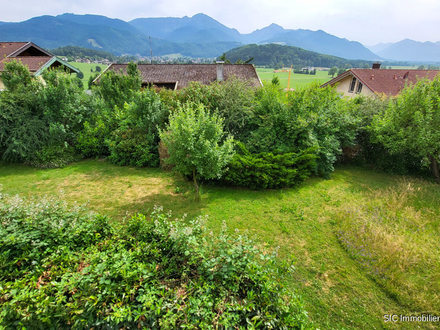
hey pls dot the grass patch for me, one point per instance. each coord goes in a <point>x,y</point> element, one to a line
<point>328,229</point>
<point>85,68</point>
<point>296,80</point>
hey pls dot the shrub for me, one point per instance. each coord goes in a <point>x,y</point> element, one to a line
<point>54,157</point>
<point>196,143</point>
<point>116,88</point>
<point>90,142</point>
<point>373,153</point>
<point>309,117</point>
<point>410,123</point>
<point>133,147</point>
<point>266,170</point>
<point>233,100</point>
<point>136,138</point>
<point>62,269</point>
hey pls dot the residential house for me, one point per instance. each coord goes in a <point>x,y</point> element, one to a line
<point>375,81</point>
<point>35,58</point>
<point>178,76</point>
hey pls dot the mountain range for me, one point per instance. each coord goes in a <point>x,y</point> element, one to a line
<point>197,36</point>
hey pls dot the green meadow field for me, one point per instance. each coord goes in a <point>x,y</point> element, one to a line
<point>86,69</point>
<point>296,80</point>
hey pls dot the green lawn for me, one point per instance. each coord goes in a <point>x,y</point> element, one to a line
<point>315,225</point>
<point>296,80</point>
<point>85,68</point>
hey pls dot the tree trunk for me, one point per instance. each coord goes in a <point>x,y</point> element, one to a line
<point>196,187</point>
<point>434,168</point>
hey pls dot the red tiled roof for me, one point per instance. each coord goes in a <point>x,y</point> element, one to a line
<point>7,48</point>
<point>386,81</point>
<point>34,63</point>
<point>185,73</point>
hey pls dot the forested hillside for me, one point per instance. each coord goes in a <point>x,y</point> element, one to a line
<point>272,55</point>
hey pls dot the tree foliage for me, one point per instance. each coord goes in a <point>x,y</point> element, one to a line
<point>116,88</point>
<point>272,55</point>
<point>196,143</point>
<point>410,123</point>
<point>310,117</point>
<point>134,141</point>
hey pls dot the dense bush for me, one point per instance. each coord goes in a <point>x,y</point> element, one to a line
<point>37,118</point>
<point>310,117</point>
<point>134,142</point>
<point>266,170</point>
<point>372,153</point>
<point>90,141</point>
<point>23,129</point>
<point>410,124</point>
<point>116,88</point>
<point>63,268</point>
<point>233,100</point>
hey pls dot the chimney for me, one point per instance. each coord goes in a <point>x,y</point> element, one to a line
<point>376,65</point>
<point>220,70</point>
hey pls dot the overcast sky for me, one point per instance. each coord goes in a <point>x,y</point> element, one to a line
<point>367,21</point>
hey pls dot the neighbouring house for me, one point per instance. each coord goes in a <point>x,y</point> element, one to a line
<point>375,81</point>
<point>35,58</point>
<point>178,76</point>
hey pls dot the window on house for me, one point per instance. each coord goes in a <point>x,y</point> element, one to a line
<point>353,83</point>
<point>359,87</point>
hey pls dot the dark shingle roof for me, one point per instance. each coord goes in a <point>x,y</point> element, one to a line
<point>7,48</point>
<point>34,63</point>
<point>386,81</point>
<point>185,73</point>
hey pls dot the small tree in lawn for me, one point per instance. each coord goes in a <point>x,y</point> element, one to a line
<point>194,141</point>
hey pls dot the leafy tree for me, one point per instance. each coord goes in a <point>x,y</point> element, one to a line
<point>116,88</point>
<point>98,68</point>
<point>23,130</point>
<point>80,75</point>
<point>341,71</point>
<point>135,140</point>
<point>194,141</point>
<point>66,106</point>
<point>36,117</point>
<point>411,123</point>
<point>333,71</point>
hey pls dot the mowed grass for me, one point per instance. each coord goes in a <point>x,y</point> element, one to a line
<point>363,244</point>
<point>296,80</point>
<point>85,68</point>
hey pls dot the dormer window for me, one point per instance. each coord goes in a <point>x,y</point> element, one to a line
<point>352,85</point>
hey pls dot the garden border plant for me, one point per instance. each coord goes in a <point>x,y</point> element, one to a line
<point>62,267</point>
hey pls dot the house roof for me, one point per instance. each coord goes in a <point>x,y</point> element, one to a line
<point>183,74</point>
<point>7,48</point>
<point>34,63</point>
<point>29,54</point>
<point>385,81</point>
<point>37,64</point>
<point>16,49</point>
